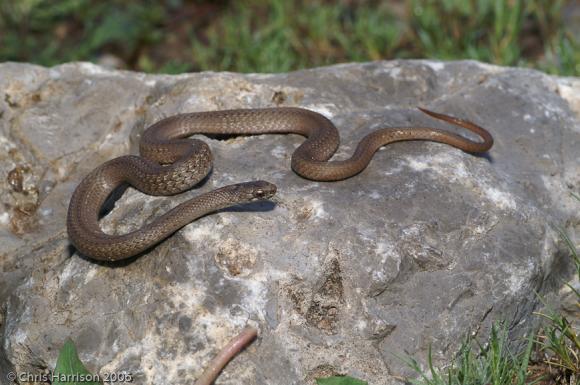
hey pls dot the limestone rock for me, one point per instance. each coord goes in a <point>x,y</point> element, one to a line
<point>426,246</point>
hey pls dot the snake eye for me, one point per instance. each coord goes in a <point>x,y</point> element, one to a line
<point>259,194</point>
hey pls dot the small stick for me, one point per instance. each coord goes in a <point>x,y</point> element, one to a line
<point>233,347</point>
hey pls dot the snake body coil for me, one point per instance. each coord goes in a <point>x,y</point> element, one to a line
<point>170,164</point>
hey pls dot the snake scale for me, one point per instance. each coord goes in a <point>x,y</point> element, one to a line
<point>170,164</point>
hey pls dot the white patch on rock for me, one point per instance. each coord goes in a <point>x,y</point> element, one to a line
<point>518,276</point>
<point>192,100</point>
<point>417,164</point>
<point>90,275</point>
<point>326,109</point>
<point>150,82</point>
<point>68,273</point>
<point>502,199</point>
<point>361,325</point>
<point>255,301</point>
<point>6,144</point>
<point>4,218</point>
<point>279,152</point>
<point>385,250</point>
<point>394,170</point>
<point>491,68</point>
<point>317,208</point>
<point>367,234</point>
<point>377,275</point>
<point>203,232</point>
<point>375,195</point>
<point>435,65</point>
<point>446,164</point>
<point>224,179</point>
<point>395,72</point>
<point>387,253</point>
<point>93,69</point>
<point>569,89</point>
<point>411,231</point>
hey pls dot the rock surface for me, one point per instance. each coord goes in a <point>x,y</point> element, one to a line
<point>426,246</point>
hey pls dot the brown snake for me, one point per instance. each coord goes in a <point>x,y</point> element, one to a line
<point>170,164</point>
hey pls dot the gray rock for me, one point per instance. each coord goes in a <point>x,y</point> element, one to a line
<point>426,246</point>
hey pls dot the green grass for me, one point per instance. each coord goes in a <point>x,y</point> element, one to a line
<point>491,364</point>
<point>486,30</point>
<point>278,35</point>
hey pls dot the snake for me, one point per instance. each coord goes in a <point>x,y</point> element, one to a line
<point>171,163</point>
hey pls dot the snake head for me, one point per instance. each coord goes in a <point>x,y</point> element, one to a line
<point>263,190</point>
<point>260,190</point>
